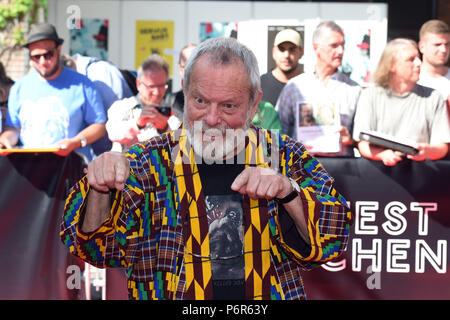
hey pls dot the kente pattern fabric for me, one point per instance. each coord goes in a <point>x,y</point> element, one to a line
<point>158,227</point>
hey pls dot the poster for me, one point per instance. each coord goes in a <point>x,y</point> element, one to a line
<point>91,39</point>
<point>217,30</point>
<point>154,37</point>
<point>356,59</point>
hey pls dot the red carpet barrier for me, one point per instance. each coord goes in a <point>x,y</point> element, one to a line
<point>398,247</point>
<point>399,242</point>
<point>34,262</point>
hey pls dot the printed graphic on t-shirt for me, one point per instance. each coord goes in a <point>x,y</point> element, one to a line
<point>226,235</point>
<point>43,122</point>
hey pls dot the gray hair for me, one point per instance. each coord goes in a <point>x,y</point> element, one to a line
<point>329,25</point>
<point>226,51</point>
<point>153,63</point>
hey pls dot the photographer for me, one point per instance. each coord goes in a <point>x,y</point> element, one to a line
<point>141,117</point>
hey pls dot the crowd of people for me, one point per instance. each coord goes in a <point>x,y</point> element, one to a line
<point>317,108</point>
<point>221,228</point>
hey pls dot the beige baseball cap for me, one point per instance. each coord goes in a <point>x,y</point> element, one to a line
<point>288,35</point>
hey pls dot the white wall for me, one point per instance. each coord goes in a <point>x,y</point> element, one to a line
<point>188,16</point>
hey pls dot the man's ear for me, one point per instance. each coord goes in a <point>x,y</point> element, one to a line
<point>420,45</point>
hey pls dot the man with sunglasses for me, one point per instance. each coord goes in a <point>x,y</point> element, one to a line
<point>143,116</point>
<point>52,105</point>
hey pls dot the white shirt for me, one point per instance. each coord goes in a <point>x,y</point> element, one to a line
<point>441,84</point>
<point>340,93</point>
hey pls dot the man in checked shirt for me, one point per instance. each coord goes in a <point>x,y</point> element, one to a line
<point>217,210</point>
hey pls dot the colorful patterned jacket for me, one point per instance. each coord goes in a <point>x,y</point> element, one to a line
<point>158,228</point>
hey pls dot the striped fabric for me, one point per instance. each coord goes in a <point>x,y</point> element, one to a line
<point>158,227</point>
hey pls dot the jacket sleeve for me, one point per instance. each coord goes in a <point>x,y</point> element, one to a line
<point>115,242</point>
<point>326,211</point>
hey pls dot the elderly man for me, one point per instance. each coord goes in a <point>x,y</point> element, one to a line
<point>141,117</point>
<point>399,107</point>
<point>218,210</point>
<point>287,50</point>
<point>326,87</point>
<point>53,105</point>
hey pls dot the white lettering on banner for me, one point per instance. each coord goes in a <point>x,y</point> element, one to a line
<point>373,254</point>
<point>365,213</point>
<point>423,209</point>
<point>438,261</point>
<point>396,223</point>
<point>393,252</point>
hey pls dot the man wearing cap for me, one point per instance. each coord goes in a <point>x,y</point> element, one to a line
<point>53,105</point>
<point>287,50</point>
<point>325,89</point>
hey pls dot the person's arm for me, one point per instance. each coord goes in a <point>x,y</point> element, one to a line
<point>9,137</point>
<point>320,214</point>
<point>387,156</point>
<point>91,133</point>
<point>265,183</point>
<point>428,151</point>
<point>95,221</point>
<point>106,174</point>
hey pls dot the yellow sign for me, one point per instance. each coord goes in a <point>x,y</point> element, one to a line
<point>154,37</point>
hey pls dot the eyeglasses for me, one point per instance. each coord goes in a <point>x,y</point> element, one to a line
<point>4,103</point>
<point>47,55</point>
<point>155,86</point>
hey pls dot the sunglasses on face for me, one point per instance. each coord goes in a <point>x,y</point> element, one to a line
<point>4,103</point>
<point>47,55</point>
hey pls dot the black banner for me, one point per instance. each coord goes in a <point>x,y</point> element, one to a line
<point>398,247</point>
<point>34,262</point>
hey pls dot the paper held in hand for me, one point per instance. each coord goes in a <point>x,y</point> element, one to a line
<point>320,139</point>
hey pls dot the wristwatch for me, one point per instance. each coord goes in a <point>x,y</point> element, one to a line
<point>291,196</point>
<point>83,141</point>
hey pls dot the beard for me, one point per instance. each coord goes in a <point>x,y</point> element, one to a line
<point>49,73</point>
<point>222,141</point>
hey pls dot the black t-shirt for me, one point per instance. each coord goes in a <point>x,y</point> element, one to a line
<point>271,88</point>
<point>226,229</point>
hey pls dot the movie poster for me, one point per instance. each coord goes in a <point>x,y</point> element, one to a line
<point>91,39</point>
<point>154,37</point>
